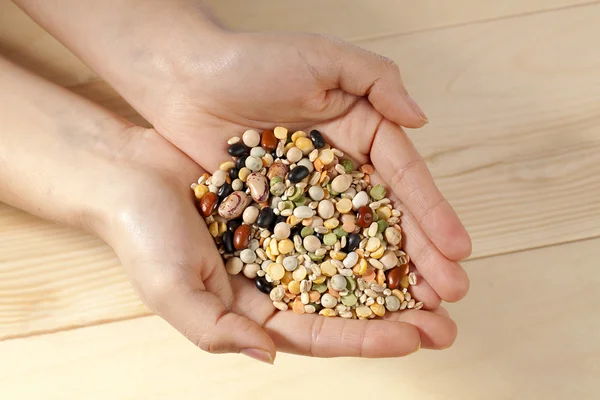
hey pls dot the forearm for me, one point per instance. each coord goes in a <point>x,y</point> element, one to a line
<point>55,149</point>
<point>135,45</point>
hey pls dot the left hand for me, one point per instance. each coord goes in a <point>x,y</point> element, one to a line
<point>354,97</point>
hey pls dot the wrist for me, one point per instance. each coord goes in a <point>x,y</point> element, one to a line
<point>141,47</point>
<point>57,153</point>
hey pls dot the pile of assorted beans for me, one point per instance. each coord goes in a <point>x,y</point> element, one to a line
<point>292,214</point>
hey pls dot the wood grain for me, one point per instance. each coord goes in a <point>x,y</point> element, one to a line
<point>357,20</point>
<point>514,144</point>
<point>25,42</point>
<point>53,277</point>
<point>514,139</point>
<point>529,330</point>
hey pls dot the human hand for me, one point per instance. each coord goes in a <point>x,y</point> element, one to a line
<point>197,100</point>
<point>170,257</point>
<point>354,97</point>
<point>193,292</point>
<point>197,126</point>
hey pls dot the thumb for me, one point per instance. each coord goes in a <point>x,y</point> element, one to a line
<point>359,72</point>
<point>203,318</point>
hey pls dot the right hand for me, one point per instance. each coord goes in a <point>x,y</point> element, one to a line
<point>169,255</point>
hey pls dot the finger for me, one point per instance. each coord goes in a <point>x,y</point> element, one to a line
<point>400,165</point>
<point>424,292</point>
<point>436,330</point>
<point>446,277</point>
<point>360,72</point>
<point>301,333</point>
<point>441,311</point>
<point>181,277</point>
<point>318,336</point>
<point>206,322</point>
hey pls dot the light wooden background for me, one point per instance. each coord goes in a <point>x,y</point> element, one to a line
<point>513,92</point>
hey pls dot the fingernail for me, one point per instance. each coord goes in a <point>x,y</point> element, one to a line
<point>418,348</point>
<point>417,109</point>
<point>259,355</point>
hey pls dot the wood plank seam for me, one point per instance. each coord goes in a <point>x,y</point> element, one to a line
<point>524,14</point>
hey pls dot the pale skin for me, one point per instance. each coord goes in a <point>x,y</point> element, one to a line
<point>199,84</point>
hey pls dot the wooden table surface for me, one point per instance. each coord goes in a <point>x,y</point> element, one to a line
<point>513,92</point>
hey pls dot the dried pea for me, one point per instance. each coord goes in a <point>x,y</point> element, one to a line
<point>339,232</point>
<point>327,312</point>
<point>300,201</point>
<point>331,191</point>
<point>351,286</point>
<point>316,258</point>
<point>349,300</point>
<point>348,166</point>
<point>319,287</point>
<point>306,231</point>
<point>200,191</point>
<point>275,180</point>
<point>384,213</point>
<point>381,226</point>
<point>296,195</point>
<point>378,192</point>
<point>330,239</point>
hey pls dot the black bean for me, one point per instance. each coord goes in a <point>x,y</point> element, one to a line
<point>228,242</point>
<point>233,224</point>
<point>298,173</point>
<point>317,307</point>
<point>233,174</point>
<point>352,242</point>
<point>240,162</point>
<point>296,230</point>
<point>263,285</point>
<point>224,191</point>
<point>238,149</point>
<point>319,236</point>
<point>266,217</point>
<point>317,139</point>
<point>280,218</point>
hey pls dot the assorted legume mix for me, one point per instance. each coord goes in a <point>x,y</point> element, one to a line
<point>308,227</point>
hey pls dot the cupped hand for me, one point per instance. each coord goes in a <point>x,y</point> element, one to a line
<point>173,263</point>
<point>357,99</point>
<point>302,81</point>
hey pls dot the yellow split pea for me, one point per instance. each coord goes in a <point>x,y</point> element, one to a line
<point>328,269</point>
<point>276,271</point>
<point>298,134</point>
<point>344,205</point>
<point>294,287</point>
<point>280,132</point>
<point>200,191</point>
<point>285,246</point>
<point>305,145</point>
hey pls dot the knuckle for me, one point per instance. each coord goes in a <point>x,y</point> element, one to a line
<point>202,341</point>
<point>402,172</point>
<point>390,64</point>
